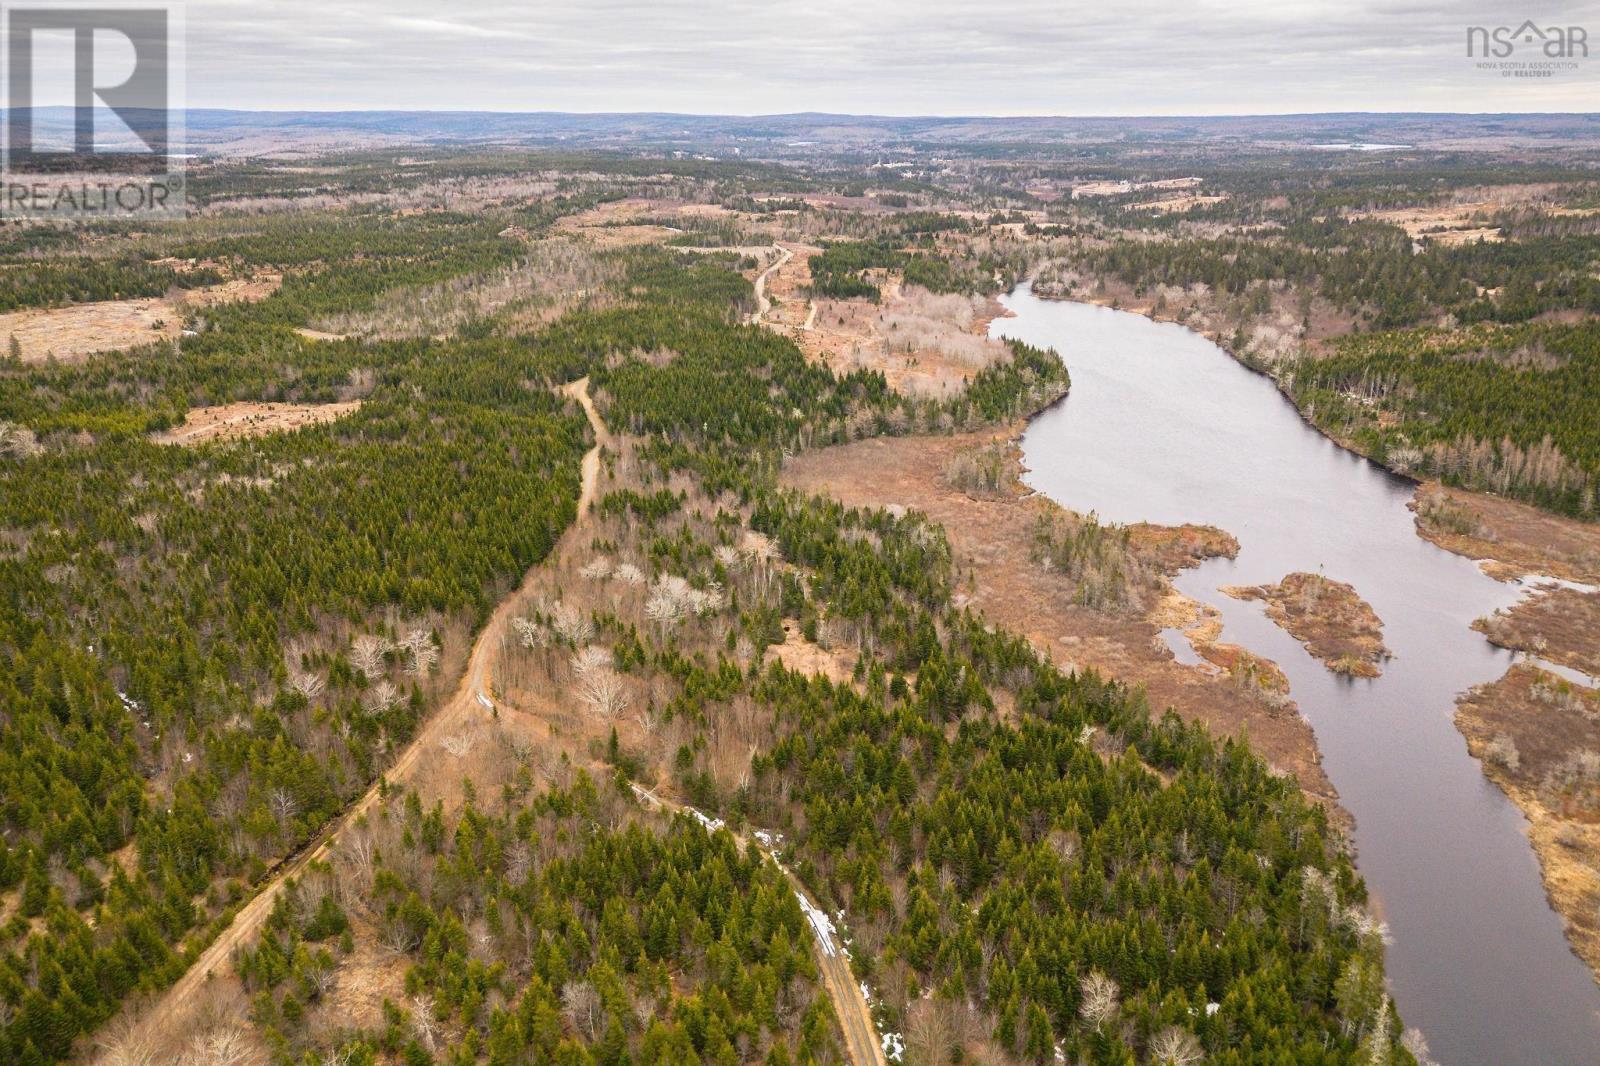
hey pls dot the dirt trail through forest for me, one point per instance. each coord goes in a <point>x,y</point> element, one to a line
<point>763,305</point>
<point>470,702</point>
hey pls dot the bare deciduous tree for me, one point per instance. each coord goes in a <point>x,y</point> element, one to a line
<point>530,634</point>
<point>127,1049</point>
<point>763,555</point>
<point>664,611</point>
<point>366,654</point>
<point>223,1046</point>
<point>398,938</point>
<point>423,1021</point>
<point>1100,996</point>
<point>519,862</point>
<point>581,1004</point>
<point>320,974</point>
<point>1175,1046</point>
<point>605,693</point>
<point>744,649</point>
<point>1414,1042</point>
<point>380,697</point>
<point>424,653</point>
<point>18,442</point>
<point>356,859</point>
<point>571,624</point>
<point>308,683</point>
<point>590,658</point>
<point>284,805</point>
<point>929,1039</point>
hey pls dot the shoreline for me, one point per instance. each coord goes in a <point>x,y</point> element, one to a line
<point>993,538</point>
<point>1512,542</point>
<point>1479,551</point>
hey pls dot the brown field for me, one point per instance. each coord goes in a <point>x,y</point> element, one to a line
<point>76,331</point>
<point>235,420</point>
<point>1528,728</point>
<point>235,290</point>
<point>1517,538</point>
<point>1117,188</point>
<point>318,334</point>
<point>1334,623</point>
<point>1177,204</point>
<point>613,225</point>
<point>1466,218</point>
<point>924,344</point>
<point>1440,223</point>
<point>1437,220</point>
<point>991,539</point>
<point>621,223</point>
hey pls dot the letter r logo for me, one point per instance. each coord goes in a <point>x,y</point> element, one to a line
<point>139,101</point>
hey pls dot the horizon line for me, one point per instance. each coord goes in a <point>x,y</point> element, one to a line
<point>929,116</point>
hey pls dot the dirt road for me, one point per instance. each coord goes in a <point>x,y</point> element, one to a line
<point>579,390</point>
<point>470,702</point>
<point>862,1045</point>
<point>763,305</point>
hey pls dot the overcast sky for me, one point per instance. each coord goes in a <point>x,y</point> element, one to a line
<point>1067,57</point>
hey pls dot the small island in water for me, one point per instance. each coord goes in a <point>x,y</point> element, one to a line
<point>1334,623</point>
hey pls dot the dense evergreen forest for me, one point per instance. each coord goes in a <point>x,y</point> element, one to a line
<point>1372,271</point>
<point>638,944</point>
<point>1495,408</point>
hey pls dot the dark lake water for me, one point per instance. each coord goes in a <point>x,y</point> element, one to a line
<point>1162,425</point>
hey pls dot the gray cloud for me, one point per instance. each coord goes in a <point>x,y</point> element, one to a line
<point>887,57</point>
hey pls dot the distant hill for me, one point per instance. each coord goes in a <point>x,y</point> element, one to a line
<point>253,132</point>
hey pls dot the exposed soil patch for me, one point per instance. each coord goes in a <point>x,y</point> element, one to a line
<point>235,420</point>
<point>992,542</point>
<point>1118,188</point>
<point>1334,623</point>
<point>624,223</point>
<point>78,330</point>
<point>1177,204</point>
<point>1519,538</point>
<point>1538,737</point>
<point>238,290</point>
<point>802,656</point>
<point>73,332</point>
<point>318,335</point>
<point>1558,623</point>
<point>924,344</point>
